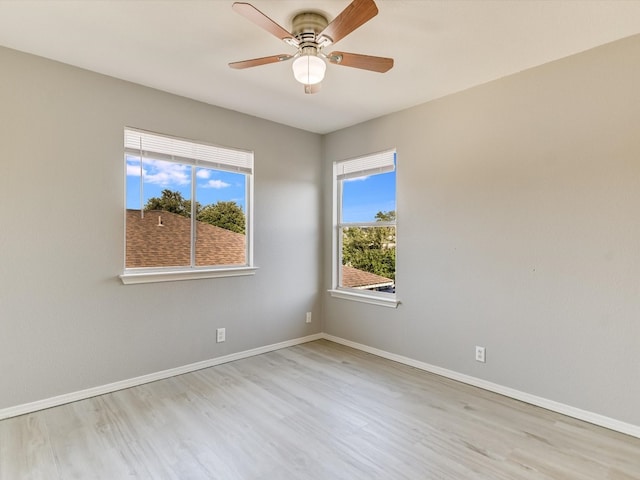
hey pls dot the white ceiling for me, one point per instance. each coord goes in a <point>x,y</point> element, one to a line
<point>439,47</point>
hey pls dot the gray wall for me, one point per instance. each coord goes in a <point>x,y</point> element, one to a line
<point>518,230</point>
<point>66,321</point>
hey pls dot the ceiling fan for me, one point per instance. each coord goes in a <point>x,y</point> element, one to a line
<point>311,33</point>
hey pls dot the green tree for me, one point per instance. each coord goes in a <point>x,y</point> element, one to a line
<point>389,216</point>
<point>227,215</point>
<point>372,249</point>
<point>171,201</point>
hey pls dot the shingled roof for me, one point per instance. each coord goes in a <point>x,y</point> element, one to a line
<point>355,278</point>
<point>162,239</point>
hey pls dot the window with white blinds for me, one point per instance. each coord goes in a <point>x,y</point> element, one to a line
<point>163,147</point>
<point>364,245</point>
<point>382,162</point>
<point>188,205</point>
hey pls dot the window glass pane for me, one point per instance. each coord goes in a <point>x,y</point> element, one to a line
<point>364,197</point>
<point>222,223</point>
<point>160,234</point>
<point>187,203</point>
<point>369,258</point>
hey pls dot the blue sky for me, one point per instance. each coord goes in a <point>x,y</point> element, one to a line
<point>363,197</point>
<point>212,185</point>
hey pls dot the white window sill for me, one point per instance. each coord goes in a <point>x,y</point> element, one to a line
<point>386,301</point>
<point>133,277</point>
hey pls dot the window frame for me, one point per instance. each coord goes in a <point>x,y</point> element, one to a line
<point>371,164</point>
<point>203,155</point>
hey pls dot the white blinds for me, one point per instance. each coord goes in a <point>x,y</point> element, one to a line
<point>381,162</point>
<point>162,147</point>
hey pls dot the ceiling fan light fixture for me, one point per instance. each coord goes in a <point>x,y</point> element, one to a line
<point>309,69</point>
<point>310,34</point>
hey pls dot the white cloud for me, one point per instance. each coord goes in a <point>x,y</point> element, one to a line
<point>167,173</point>
<point>133,169</point>
<point>217,184</point>
<point>357,179</point>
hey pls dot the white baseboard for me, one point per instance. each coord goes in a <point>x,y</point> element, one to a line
<point>152,377</point>
<point>594,418</point>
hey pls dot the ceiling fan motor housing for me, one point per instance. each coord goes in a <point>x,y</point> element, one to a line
<point>306,27</point>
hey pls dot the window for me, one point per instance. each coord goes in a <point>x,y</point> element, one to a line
<point>188,209</point>
<point>364,244</point>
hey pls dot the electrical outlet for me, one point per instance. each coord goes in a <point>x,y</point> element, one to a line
<point>308,317</point>
<point>221,335</point>
<point>480,354</point>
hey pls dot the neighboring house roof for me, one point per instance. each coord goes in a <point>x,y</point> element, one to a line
<point>355,278</point>
<point>163,239</point>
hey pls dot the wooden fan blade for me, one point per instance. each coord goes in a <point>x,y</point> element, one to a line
<point>251,13</point>
<point>255,62</point>
<point>355,15</point>
<point>365,62</point>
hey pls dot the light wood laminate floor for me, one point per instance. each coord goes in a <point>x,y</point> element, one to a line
<point>314,411</point>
